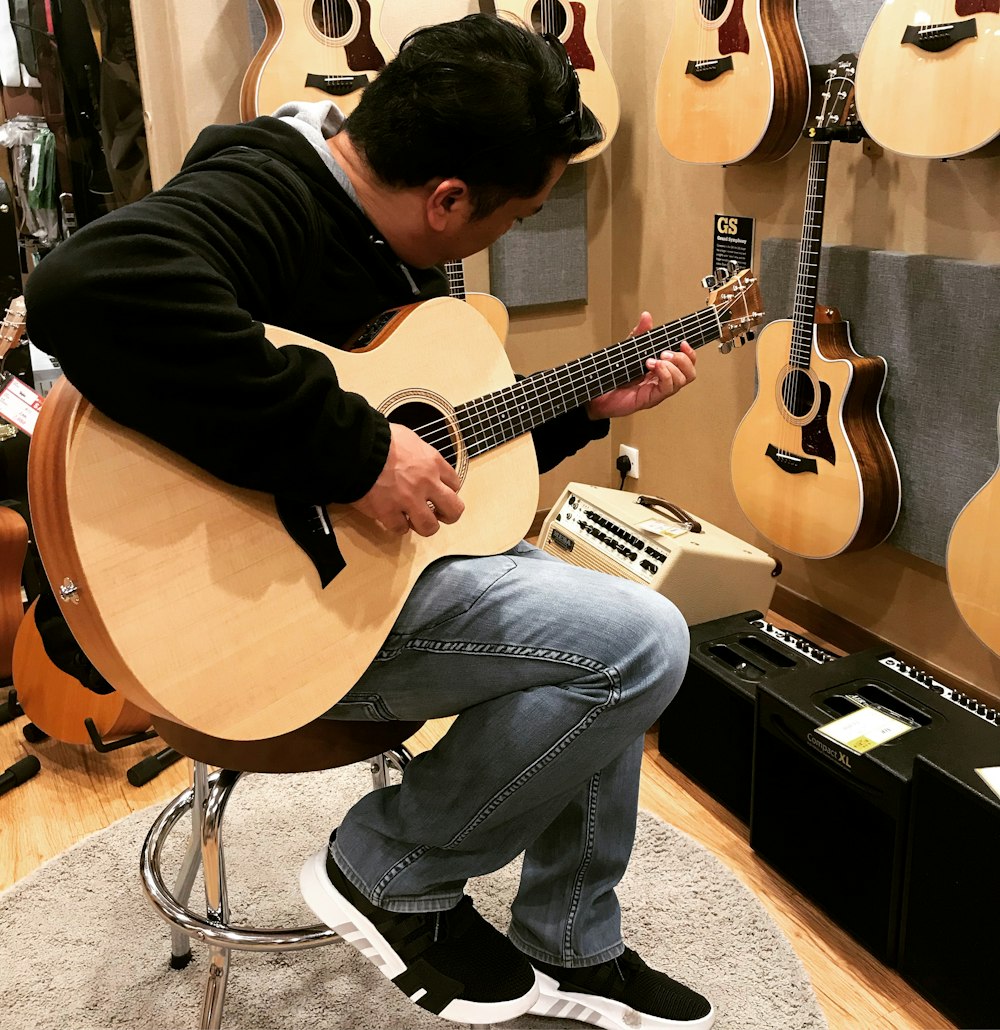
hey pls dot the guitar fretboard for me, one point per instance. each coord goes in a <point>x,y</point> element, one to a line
<point>505,414</point>
<point>804,308</point>
<point>455,271</point>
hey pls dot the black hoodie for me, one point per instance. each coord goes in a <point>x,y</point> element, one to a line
<point>154,313</point>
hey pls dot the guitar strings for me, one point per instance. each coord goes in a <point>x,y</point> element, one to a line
<point>703,326</point>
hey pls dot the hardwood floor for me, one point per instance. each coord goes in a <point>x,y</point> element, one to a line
<point>79,791</point>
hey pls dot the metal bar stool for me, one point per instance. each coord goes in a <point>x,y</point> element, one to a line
<point>323,744</point>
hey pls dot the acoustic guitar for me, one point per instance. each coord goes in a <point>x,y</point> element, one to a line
<point>733,86</point>
<point>574,23</point>
<point>245,617</point>
<point>58,703</point>
<point>811,465</point>
<point>973,562</point>
<point>314,50</point>
<point>929,77</point>
<point>491,308</point>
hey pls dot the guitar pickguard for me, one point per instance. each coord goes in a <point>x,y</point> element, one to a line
<point>816,438</point>
<point>965,8</point>
<point>733,35</point>
<point>576,46</point>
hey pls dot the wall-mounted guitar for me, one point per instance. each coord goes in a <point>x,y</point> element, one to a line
<point>811,464</point>
<point>973,562</point>
<point>929,77</point>
<point>314,50</point>
<point>217,608</point>
<point>491,308</point>
<point>733,86</point>
<point>574,22</point>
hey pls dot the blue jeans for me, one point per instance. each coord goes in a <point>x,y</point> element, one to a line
<point>554,672</point>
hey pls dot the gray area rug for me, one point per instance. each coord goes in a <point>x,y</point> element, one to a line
<point>83,949</point>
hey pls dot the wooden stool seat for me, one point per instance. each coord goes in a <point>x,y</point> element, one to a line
<point>321,744</point>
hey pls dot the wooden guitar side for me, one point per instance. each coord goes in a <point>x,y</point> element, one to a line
<point>192,598</point>
<point>754,112</point>
<point>58,703</point>
<point>294,47</point>
<point>849,505</point>
<point>973,563</point>
<point>579,36</point>
<point>925,104</point>
<point>13,548</point>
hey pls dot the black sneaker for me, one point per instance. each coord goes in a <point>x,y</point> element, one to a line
<point>452,963</point>
<point>622,994</point>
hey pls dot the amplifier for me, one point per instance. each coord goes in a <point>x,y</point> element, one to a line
<point>708,729</point>
<point>833,821</point>
<point>705,571</point>
<point>951,908</point>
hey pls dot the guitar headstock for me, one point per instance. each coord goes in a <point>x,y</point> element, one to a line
<point>838,119</point>
<point>738,304</point>
<point>12,327</point>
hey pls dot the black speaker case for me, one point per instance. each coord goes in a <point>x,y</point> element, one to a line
<point>707,731</point>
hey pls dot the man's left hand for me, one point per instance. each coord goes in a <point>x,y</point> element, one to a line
<point>665,375</point>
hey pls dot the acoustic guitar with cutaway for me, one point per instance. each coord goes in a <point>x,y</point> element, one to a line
<point>246,616</point>
<point>929,77</point>
<point>733,86</point>
<point>811,465</point>
<point>314,50</point>
<point>574,23</point>
<point>973,562</point>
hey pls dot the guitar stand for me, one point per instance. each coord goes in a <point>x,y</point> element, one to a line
<point>142,772</point>
<point>10,709</point>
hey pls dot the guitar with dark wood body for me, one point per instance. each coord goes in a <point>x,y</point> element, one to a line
<point>811,465</point>
<point>733,86</point>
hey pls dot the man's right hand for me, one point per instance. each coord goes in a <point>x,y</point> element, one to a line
<point>417,489</point>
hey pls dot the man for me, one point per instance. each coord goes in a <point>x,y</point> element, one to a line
<point>554,671</point>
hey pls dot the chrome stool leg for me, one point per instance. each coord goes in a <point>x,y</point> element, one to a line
<point>180,942</point>
<point>396,758</point>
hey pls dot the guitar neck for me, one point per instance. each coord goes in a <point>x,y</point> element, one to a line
<point>804,308</point>
<point>496,418</point>
<point>455,271</point>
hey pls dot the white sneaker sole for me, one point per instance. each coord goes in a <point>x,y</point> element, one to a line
<point>603,1012</point>
<point>355,929</point>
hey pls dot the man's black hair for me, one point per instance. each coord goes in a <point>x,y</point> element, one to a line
<point>483,99</point>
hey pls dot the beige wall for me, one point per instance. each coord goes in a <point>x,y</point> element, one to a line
<point>650,224</point>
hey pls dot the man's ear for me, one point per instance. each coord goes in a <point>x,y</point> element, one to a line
<point>447,204</point>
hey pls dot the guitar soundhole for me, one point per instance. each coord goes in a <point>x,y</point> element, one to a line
<point>548,17</point>
<point>711,10</point>
<point>798,394</point>
<point>333,18</point>
<point>429,424</point>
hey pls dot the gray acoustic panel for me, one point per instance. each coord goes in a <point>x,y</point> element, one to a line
<point>544,259</point>
<point>833,27</point>
<point>257,27</point>
<point>933,320</point>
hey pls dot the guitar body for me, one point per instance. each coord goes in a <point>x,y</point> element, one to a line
<point>733,86</point>
<point>314,50</point>
<point>973,564</point>
<point>13,548</point>
<point>493,310</point>
<point>848,503</point>
<point>575,23</point>
<point>918,100</point>
<point>194,601</point>
<point>57,703</point>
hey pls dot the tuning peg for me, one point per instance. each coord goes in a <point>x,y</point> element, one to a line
<point>721,274</point>
<point>751,335</point>
<point>726,346</point>
<point>733,265</point>
<point>709,282</point>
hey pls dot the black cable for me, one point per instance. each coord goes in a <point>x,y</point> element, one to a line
<point>624,465</point>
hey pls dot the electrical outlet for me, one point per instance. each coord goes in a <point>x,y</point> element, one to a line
<point>632,453</point>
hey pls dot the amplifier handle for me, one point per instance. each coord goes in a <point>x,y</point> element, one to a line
<point>671,511</point>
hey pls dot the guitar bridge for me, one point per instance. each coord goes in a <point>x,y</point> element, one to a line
<point>793,464</point>
<point>337,85</point>
<point>936,38</point>
<point>706,71</point>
